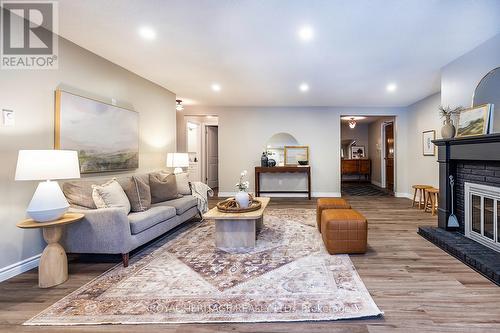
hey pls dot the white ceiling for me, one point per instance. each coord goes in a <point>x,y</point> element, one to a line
<point>250,47</point>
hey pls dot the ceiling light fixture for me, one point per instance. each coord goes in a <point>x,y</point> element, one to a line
<point>179,106</point>
<point>216,87</point>
<point>147,33</point>
<point>306,33</point>
<point>352,123</point>
<point>391,87</point>
<point>304,87</point>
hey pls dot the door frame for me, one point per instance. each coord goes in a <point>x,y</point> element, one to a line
<point>204,121</point>
<point>383,175</point>
<point>204,150</point>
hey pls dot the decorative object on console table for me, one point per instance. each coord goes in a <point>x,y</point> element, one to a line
<point>48,202</point>
<point>105,136</point>
<point>474,121</point>
<point>177,161</point>
<point>428,148</point>
<point>448,130</point>
<point>264,160</point>
<point>294,154</point>
<point>283,169</point>
<point>53,269</point>
<point>242,197</point>
<point>271,163</point>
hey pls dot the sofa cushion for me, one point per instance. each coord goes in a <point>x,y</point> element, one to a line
<point>79,193</point>
<point>141,221</point>
<point>163,187</point>
<point>110,194</point>
<point>182,180</point>
<point>139,193</point>
<point>181,205</point>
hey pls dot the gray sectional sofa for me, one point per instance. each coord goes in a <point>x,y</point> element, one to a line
<point>111,230</point>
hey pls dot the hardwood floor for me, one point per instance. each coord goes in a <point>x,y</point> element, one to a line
<point>418,286</point>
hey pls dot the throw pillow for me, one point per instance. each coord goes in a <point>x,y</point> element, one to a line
<point>163,187</point>
<point>79,193</point>
<point>110,194</point>
<point>138,192</point>
<point>182,180</point>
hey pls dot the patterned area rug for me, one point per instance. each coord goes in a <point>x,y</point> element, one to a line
<point>184,278</point>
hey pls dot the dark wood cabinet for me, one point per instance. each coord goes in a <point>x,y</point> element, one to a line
<point>359,167</point>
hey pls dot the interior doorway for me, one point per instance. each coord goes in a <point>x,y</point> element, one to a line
<point>202,145</point>
<point>388,151</point>
<point>212,154</point>
<point>367,155</point>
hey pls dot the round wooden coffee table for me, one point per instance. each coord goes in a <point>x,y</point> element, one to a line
<point>53,269</point>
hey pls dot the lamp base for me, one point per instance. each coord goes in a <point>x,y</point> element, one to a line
<point>48,202</point>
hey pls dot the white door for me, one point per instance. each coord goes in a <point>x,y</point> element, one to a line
<point>193,133</point>
<point>212,156</point>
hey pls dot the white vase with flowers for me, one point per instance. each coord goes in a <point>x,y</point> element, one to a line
<point>242,197</point>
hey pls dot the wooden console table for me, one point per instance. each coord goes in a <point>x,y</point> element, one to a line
<point>283,169</point>
<point>358,166</point>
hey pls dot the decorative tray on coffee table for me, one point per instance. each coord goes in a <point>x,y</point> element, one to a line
<point>232,206</point>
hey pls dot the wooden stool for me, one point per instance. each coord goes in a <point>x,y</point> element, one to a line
<point>329,203</point>
<point>432,200</point>
<point>344,231</point>
<point>421,195</point>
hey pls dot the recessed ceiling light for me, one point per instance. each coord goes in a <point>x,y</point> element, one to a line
<point>147,33</point>
<point>304,87</point>
<point>306,33</point>
<point>216,87</point>
<point>391,87</point>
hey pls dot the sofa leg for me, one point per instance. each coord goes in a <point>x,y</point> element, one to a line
<point>125,257</point>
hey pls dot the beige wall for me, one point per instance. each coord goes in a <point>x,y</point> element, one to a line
<point>31,95</point>
<point>423,116</point>
<point>358,133</point>
<point>243,132</point>
<point>375,146</point>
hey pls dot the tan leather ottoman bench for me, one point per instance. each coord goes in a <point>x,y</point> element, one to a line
<point>344,231</point>
<point>329,203</point>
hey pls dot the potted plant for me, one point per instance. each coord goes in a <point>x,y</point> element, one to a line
<point>448,129</point>
<point>242,197</point>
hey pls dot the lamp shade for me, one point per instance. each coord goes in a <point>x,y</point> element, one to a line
<point>177,160</point>
<point>47,165</point>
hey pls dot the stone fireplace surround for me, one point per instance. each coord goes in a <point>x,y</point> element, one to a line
<point>470,159</point>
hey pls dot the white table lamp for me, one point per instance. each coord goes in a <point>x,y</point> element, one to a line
<point>48,202</point>
<point>177,161</point>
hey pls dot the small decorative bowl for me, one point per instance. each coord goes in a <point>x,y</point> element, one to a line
<point>303,162</point>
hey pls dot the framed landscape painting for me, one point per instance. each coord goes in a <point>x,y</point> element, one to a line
<point>105,136</point>
<point>294,154</point>
<point>474,121</point>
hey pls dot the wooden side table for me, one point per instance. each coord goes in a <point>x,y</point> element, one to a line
<point>53,269</point>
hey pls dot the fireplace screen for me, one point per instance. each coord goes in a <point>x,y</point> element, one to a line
<point>482,210</point>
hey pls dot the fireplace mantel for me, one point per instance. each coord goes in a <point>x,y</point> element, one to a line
<point>484,148</point>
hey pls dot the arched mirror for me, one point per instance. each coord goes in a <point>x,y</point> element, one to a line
<point>275,146</point>
<point>488,92</point>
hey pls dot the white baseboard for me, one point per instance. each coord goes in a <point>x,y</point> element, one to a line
<point>288,195</point>
<point>19,267</point>
<point>403,195</point>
